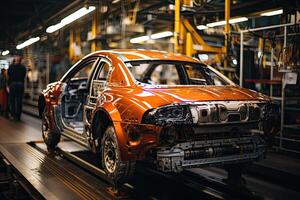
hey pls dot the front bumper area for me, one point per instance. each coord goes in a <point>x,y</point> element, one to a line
<point>210,153</point>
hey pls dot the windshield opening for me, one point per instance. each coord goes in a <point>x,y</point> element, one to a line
<point>174,73</point>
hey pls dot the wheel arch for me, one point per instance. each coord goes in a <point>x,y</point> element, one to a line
<point>111,116</point>
<point>100,115</point>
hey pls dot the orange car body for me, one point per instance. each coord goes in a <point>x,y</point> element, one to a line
<point>124,102</point>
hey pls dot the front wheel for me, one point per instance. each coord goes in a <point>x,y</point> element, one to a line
<point>117,170</point>
<point>50,138</point>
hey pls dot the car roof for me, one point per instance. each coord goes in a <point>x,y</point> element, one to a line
<point>142,54</point>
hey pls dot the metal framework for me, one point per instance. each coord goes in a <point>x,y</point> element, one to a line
<point>199,40</point>
<point>282,98</point>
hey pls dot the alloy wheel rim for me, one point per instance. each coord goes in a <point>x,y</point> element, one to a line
<point>109,154</point>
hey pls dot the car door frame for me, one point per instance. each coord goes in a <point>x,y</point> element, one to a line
<point>68,131</point>
<point>91,106</point>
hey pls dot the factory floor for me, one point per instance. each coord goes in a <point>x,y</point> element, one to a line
<point>276,177</point>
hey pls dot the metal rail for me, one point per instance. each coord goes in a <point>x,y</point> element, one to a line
<point>14,176</point>
<point>78,184</point>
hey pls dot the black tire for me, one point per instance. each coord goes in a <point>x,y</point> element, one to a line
<point>50,138</point>
<point>117,170</point>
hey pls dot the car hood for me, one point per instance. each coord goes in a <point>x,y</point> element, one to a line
<point>174,94</point>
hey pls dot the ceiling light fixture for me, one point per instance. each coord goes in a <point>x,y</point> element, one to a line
<point>4,53</point>
<point>28,42</point>
<point>139,39</point>
<point>201,27</point>
<point>152,36</point>
<point>231,21</point>
<point>71,18</point>
<point>161,35</point>
<point>272,13</point>
<point>115,1</point>
<point>171,6</point>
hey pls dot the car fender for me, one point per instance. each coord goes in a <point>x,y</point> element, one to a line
<point>115,117</point>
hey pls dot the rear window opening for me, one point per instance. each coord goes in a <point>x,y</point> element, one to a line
<point>174,73</point>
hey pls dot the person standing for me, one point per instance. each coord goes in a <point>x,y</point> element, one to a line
<point>3,93</point>
<point>16,78</point>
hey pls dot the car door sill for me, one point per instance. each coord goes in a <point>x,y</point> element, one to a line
<point>73,135</point>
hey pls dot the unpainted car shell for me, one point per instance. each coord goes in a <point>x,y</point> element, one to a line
<point>124,101</point>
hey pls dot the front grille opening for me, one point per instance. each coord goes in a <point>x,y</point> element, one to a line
<point>234,117</point>
<point>172,135</point>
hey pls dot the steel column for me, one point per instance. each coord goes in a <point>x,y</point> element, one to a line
<point>241,58</point>
<point>71,44</point>
<point>177,26</point>
<point>189,44</point>
<point>94,30</point>
<point>272,71</point>
<point>227,30</point>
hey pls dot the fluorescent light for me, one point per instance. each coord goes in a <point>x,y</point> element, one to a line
<point>140,39</point>
<point>28,42</point>
<point>4,53</point>
<point>213,24</point>
<point>78,14</point>
<point>54,28</point>
<point>271,13</point>
<point>231,21</point>
<point>203,57</point>
<point>171,7</point>
<point>201,27</point>
<point>153,37</point>
<point>238,20</point>
<point>234,61</point>
<point>71,18</point>
<point>161,35</point>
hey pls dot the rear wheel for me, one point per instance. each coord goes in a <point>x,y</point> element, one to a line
<point>50,138</point>
<point>117,170</point>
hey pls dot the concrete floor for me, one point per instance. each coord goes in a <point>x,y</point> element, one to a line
<point>29,129</point>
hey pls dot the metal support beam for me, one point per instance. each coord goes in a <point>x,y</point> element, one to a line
<point>94,31</point>
<point>71,44</point>
<point>199,40</point>
<point>241,58</point>
<point>77,42</point>
<point>227,30</point>
<point>177,26</point>
<point>272,71</point>
<point>189,45</point>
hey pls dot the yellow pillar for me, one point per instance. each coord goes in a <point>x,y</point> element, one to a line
<point>78,41</point>
<point>189,44</point>
<point>177,26</point>
<point>182,35</point>
<point>71,44</point>
<point>94,31</point>
<point>227,29</point>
